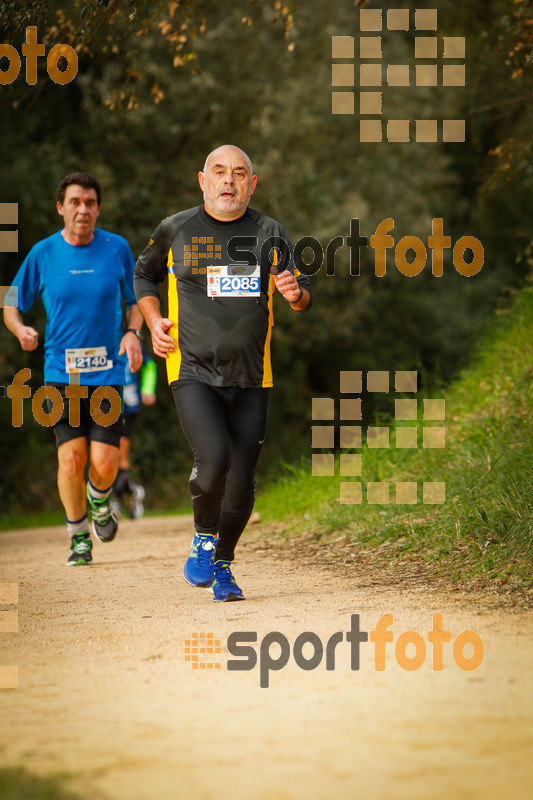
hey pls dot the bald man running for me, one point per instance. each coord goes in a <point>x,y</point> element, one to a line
<point>223,262</point>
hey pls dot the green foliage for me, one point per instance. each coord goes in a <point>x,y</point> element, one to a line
<point>486,522</point>
<point>14,15</point>
<point>161,84</point>
<point>19,784</point>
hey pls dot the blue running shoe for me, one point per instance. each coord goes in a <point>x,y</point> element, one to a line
<point>225,586</point>
<point>199,567</point>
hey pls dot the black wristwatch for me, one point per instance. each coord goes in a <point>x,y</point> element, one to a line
<point>138,333</point>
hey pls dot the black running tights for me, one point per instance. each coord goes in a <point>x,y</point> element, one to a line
<point>225,427</point>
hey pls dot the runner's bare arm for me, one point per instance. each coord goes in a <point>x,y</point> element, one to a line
<point>162,343</point>
<point>134,317</point>
<point>27,336</point>
<point>129,343</point>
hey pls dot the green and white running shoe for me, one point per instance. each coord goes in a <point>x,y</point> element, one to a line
<point>80,550</point>
<point>105,523</point>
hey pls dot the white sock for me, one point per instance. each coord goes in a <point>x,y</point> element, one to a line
<point>99,494</point>
<point>79,526</point>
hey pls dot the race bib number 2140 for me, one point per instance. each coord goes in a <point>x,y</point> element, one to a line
<point>87,359</point>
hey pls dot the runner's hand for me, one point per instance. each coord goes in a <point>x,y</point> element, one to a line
<point>286,284</point>
<point>162,343</point>
<point>131,345</point>
<point>28,338</point>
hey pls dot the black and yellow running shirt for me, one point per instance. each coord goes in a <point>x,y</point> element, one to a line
<point>220,293</point>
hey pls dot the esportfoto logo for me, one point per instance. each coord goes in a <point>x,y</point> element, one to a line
<point>244,253</point>
<point>308,651</point>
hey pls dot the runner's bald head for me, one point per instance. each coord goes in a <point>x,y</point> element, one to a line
<point>229,150</point>
<point>227,182</point>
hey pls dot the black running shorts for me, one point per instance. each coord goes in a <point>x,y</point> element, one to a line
<point>98,420</point>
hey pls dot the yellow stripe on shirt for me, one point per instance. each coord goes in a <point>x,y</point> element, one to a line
<point>174,358</point>
<point>267,364</point>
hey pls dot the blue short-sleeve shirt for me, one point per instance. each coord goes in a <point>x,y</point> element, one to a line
<point>83,288</point>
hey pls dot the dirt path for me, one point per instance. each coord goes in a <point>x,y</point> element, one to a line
<point>105,692</point>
